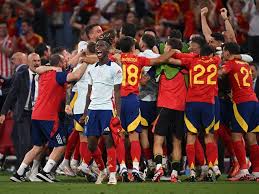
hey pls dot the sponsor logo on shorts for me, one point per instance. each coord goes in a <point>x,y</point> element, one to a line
<point>59,139</point>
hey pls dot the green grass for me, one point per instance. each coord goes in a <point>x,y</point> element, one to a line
<point>79,185</point>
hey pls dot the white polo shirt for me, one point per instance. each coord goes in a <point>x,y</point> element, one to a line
<point>149,92</point>
<point>81,87</point>
<point>103,78</point>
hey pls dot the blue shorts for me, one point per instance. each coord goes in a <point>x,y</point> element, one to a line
<point>130,113</point>
<point>98,122</point>
<point>226,111</point>
<point>245,117</point>
<point>48,131</point>
<point>217,113</point>
<point>199,116</point>
<point>148,113</point>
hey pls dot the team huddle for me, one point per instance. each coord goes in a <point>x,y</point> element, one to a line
<point>139,107</point>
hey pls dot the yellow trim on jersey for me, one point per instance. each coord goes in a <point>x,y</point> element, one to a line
<point>134,124</point>
<point>189,125</point>
<point>78,127</point>
<point>240,119</point>
<point>207,130</point>
<point>256,130</point>
<point>144,122</point>
<point>73,101</point>
<point>216,126</point>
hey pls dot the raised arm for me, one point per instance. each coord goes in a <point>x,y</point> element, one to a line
<point>204,24</point>
<point>42,69</point>
<point>162,58</point>
<point>228,26</point>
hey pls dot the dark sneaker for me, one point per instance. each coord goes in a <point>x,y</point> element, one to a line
<point>125,177</point>
<point>136,175</point>
<point>17,178</point>
<point>47,177</point>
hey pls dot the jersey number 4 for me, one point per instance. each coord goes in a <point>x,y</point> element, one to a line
<point>130,75</point>
<point>212,69</point>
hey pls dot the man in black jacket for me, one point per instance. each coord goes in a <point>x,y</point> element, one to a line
<point>21,97</point>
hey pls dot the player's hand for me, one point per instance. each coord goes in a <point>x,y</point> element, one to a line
<point>204,11</point>
<point>2,119</point>
<point>224,13</point>
<point>68,110</point>
<point>83,119</point>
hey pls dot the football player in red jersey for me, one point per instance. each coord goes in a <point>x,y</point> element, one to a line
<point>199,112</point>
<point>245,117</point>
<point>130,112</point>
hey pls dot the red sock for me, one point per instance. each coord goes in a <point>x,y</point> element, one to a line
<point>111,157</point>
<point>85,153</point>
<point>190,151</point>
<point>135,151</point>
<point>71,143</point>
<point>226,137</point>
<point>240,152</point>
<point>120,152</point>
<point>147,152</point>
<point>199,153</point>
<point>97,156</point>
<point>254,157</point>
<point>77,151</point>
<point>212,154</point>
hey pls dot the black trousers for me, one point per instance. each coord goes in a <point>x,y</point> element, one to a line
<point>21,136</point>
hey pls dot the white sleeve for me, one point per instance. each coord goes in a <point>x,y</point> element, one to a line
<point>246,58</point>
<point>89,78</point>
<point>117,75</point>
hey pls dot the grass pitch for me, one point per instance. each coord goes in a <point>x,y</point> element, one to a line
<point>78,185</point>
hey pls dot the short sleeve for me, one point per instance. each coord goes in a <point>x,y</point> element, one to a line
<point>117,75</point>
<point>89,78</point>
<point>61,77</point>
<point>143,61</point>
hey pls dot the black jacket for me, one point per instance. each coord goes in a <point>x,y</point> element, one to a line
<point>257,87</point>
<point>18,93</point>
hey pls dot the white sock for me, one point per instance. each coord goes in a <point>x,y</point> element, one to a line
<point>244,171</point>
<point>21,169</point>
<point>84,167</point>
<point>175,173</point>
<point>123,165</point>
<point>65,162</point>
<point>35,167</point>
<point>48,167</point>
<point>136,165</point>
<point>74,162</point>
<point>158,166</point>
<point>1,156</point>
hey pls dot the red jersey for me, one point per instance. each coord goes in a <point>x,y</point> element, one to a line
<point>241,81</point>
<point>172,92</point>
<point>51,94</point>
<point>131,67</point>
<point>203,78</point>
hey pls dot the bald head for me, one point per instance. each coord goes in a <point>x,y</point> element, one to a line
<point>34,61</point>
<point>18,58</point>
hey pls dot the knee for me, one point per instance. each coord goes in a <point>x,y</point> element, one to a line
<point>92,146</point>
<point>108,141</point>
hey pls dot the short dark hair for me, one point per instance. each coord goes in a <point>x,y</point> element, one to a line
<point>151,30</point>
<point>175,43</point>
<point>91,47</point>
<point>55,60</point>
<point>41,48</point>
<point>232,47</point>
<point>149,40</point>
<point>176,34</point>
<point>128,29</point>
<point>199,40</point>
<point>27,21</point>
<point>126,43</point>
<point>58,50</point>
<point>89,27</point>
<point>207,50</point>
<point>218,36</point>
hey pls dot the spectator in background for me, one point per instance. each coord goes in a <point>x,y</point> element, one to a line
<point>7,15</point>
<point>253,33</point>
<point>28,40</point>
<point>6,50</point>
<point>255,76</point>
<point>43,50</point>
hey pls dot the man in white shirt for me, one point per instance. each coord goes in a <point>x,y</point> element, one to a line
<point>148,96</point>
<point>105,78</point>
